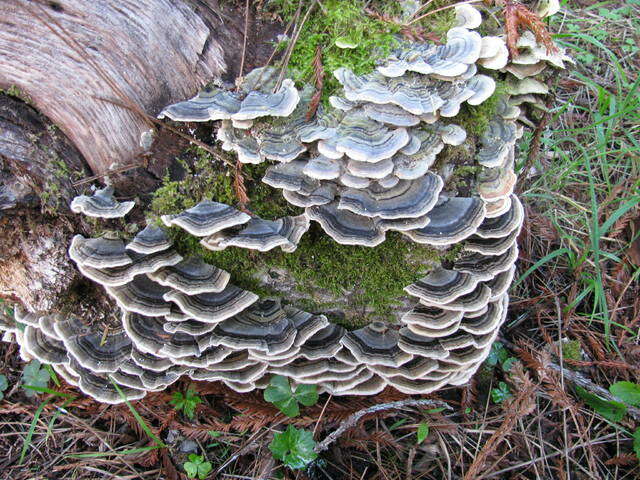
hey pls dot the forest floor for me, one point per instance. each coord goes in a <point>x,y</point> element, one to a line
<point>541,406</point>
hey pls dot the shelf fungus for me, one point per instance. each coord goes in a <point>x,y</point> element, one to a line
<point>101,204</point>
<point>382,156</point>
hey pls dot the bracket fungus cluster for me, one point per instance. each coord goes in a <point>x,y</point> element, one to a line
<point>366,165</point>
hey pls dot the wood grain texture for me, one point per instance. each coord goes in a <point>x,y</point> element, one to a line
<point>72,58</point>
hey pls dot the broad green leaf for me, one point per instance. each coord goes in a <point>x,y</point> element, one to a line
<point>35,376</point>
<point>307,395</point>
<point>508,363</point>
<point>497,355</point>
<point>500,394</point>
<point>191,469</point>
<point>628,392</point>
<point>293,447</point>
<point>613,411</point>
<point>289,407</point>
<point>636,442</point>
<point>422,433</point>
<point>278,390</point>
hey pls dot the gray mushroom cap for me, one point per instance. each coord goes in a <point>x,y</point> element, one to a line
<point>207,105</point>
<point>491,246</point>
<point>263,235</point>
<point>433,318</point>
<point>419,345</point>
<point>484,266</point>
<point>322,168</point>
<point>206,218</point>
<point>377,170</point>
<point>140,264</point>
<point>213,307</point>
<point>280,104</point>
<point>141,295</point>
<point>149,336</point>
<point>441,286</point>
<point>101,204</point>
<point>149,361</point>
<point>322,195</point>
<point>488,322</point>
<point>290,176</point>
<point>346,227</point>
<point>324,343</point>
<point>451,221</point>
<point>468,302</point>
<point>43,347</point>
<point>101,252</point>
<point>408,199</point>
<point>150,239</point>
<point>415,368</point>
<point>192,276</point>
<point>504,224</point>
<point>95,350</point>
<point>100,386</point>
<point>376,344</point>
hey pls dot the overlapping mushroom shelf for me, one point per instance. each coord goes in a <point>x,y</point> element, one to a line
<point>365,165</point>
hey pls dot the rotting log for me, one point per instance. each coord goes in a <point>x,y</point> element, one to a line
<point>84,79</point>
<point>79,62</point>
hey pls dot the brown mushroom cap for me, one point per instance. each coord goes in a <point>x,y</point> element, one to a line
<point>213,307</point>
<point>192,276</point>
<point>376,344</point>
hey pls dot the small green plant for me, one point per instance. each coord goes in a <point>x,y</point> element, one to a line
<point>280,394</point>
<point>186,402</point>
<point>35,375</point>
<point>612,410</point>
<point>499,356</point>
<point>422,433</point>
<point>4,384</point>
<point>500,394</point>
<point>196,467</point>
<point>293,447</point>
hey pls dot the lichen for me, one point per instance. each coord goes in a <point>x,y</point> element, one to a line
<point>572,350</point>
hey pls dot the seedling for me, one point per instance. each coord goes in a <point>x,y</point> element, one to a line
<point>500,394</point>
<point>280,394</point>
<point>35,376</point>
<point>422,433</point>
<point>196,467</point>
<point>293,447</point>
<point>186,402</point>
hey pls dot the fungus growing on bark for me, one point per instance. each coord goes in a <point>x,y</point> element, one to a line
<point>101,204</point>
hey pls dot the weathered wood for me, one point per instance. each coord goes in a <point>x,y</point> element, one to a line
<point>73,58</point>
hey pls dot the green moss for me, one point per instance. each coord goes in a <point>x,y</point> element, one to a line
<point>357,277</point>
<point>475,118</point>
<point>572,350</point>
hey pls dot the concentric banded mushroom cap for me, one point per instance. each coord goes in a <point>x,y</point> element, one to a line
<point>207,218</point>
<point>149,336</point>
<point>474,300</point>
<point>408,199</point>
<point>375,170</point>
<point>450,221</point>
<point>417,367</point>
<point>372,386</point>
<point>306,324</point>
<point>280,104</point>
<point>191,327</point>
<point>301,368</point>
<point>417,386</point>
<point>366,140</point>
<point>419,345</point>
<point>494,54</point>
<point>207,358</point>
<point>264,326</point>
<point>142,295</point>
<point>346,227</point>
<point>351,181</point>
<point>192,276</point>
<point>441,286</point>
<point>101,387</point>
<point>263,235</point>
<point>491,246</point>
<point>101,204</point>
<point>322,168</point>
<point>207,105</point>
<point>325,343</point>
<point>499,137</point>
<point>485,323</point>
<point>140,264</point>
<point>467,16</point>
<point>500,284</point>
<point>95,350</point>
<point>213,307</point>
<point>487,267</point>
<point>47,323</point>
<point>290,176</point>
<point>431,317</point>
<point>150,239</point>
<point>101,252</point>
<point>390,114</point>
<point>149,361</point>
<point>43,347</point>
<point>504,224</point>
<point>243,375</point>
<point>322,195</point>
<point>376,344</point>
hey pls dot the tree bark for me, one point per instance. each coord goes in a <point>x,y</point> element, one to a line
<point>79,61</point>
<point>94,71</point>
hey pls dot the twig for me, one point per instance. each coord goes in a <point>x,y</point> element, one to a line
<point>122,169</point>
<point>564,410</point>
<point>292,45</point>
<point>244,39</point>
<point>353,419</point>
<point>536,140</point>
<point>446,7</point>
